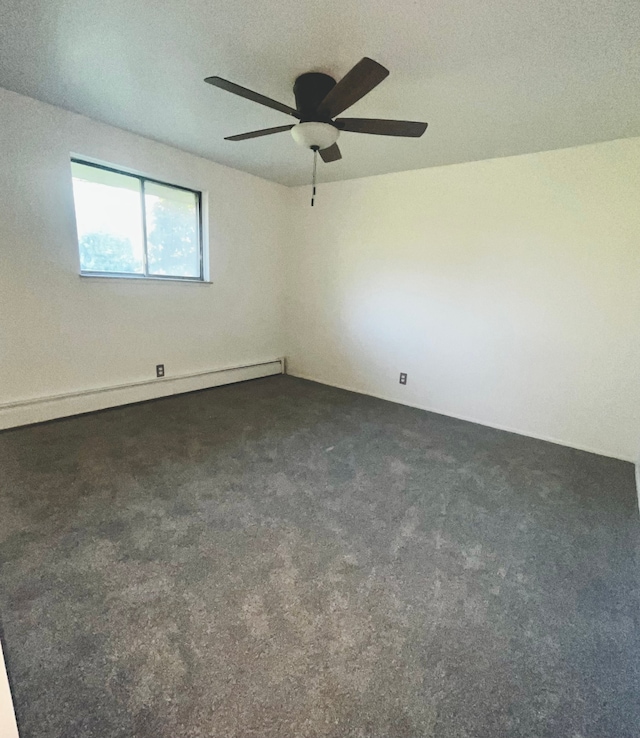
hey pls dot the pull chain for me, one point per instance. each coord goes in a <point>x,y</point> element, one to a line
<point>315,164</point>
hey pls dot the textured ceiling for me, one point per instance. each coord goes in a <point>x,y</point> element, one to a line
<point>492,77</point>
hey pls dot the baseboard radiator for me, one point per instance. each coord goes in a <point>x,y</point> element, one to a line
<point>38,409</point>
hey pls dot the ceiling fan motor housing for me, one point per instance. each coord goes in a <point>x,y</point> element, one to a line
<point>310,90</point>
<point>313,131</point>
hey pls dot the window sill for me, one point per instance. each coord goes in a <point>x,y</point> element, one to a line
<point>141,278</point>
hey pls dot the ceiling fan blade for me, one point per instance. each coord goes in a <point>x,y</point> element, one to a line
<point>257,134</point>
<point>332,153</point>
<point>382,127</point>
<point>356,83</point>
<point>224,84</point>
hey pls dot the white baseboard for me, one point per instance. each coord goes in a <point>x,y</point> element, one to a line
<point>549,439</point>
<point>36,410</point>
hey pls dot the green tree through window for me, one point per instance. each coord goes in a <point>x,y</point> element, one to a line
<point>103,252</point>
<point>172,241</point>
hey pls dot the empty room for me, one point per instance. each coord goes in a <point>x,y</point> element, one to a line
<point>319,369</point>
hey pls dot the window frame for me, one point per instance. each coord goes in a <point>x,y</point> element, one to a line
<point>142,178</point>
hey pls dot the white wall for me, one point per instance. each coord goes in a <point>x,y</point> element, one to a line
<point>8,727</point>
<point>508,290</point>
<point>61,333</point>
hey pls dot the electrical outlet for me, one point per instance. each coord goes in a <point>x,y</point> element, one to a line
<point>403,378</point>
<point>159,370</point>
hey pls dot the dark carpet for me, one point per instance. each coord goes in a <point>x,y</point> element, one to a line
<point>280,558</point>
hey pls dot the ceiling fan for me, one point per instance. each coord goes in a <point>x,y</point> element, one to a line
<point>319,99</point>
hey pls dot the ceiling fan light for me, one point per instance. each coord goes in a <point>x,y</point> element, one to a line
<point>315,135</point>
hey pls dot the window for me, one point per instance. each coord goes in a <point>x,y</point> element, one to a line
<point>132,226</point>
